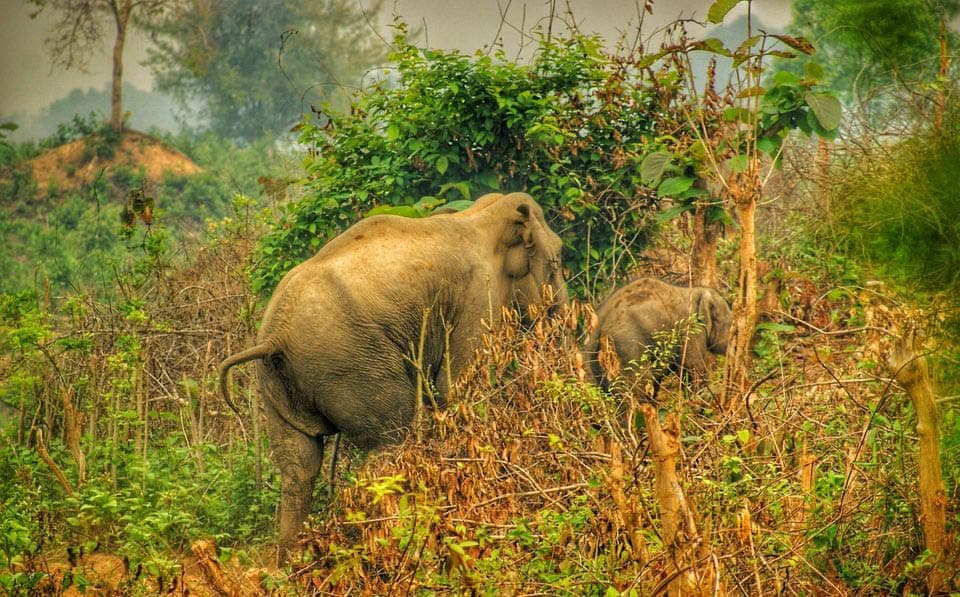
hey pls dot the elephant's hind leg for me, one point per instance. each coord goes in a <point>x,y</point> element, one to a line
<point>299,458</point>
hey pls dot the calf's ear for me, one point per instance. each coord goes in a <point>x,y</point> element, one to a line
<point>701,305</point>
<point>720,318</point>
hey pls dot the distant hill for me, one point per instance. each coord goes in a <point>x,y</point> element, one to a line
<point>78,163</point>
<point>148,110</point>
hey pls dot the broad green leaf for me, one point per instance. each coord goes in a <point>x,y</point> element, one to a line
<point>406,211</point>
<point>697,150</point>
<point>827,109</point>
<point>768,145</point>
<point>711,44</point>
<point>672,212</point>
<point>462,187</point>
<point>785,77</point>
<point>691,193</point>
<point>748,43</point>
<point>393,132</point>
<point>743,436</point>
<point>736,114</point>
<point>751,92</point>
<point>428,202</point>
<point>813,70</point>
<point>489,180</point>
<point>719,9</point>
<point>653,166</point>
<point>442,164</point>
<point>673,186</point>
<point>738,163</point>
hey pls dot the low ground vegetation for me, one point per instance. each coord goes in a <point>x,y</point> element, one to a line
<point>122,470</point>
<point>531,481</point>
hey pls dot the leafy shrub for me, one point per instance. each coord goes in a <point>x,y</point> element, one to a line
<point>571,129</point>
<point>894,206</point>
<point>73,238</point>
<point>898,209</point>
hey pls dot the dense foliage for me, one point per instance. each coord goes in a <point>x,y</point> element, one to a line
<point>119,393</point>
<point>882,43</point>
<point>912,235</point>
<point>68,237</point>
<point>571,128</point>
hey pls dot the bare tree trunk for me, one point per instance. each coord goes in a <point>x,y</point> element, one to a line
<point>703,254</point>
<point>121,14</point>
<point>744,193</point>
<point>73,425</point>
<point>677,525</point>
<point>910,371</point>
<point>54,468</point>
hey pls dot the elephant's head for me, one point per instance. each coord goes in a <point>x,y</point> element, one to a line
<point>531,252</point>
<point>716,317</point>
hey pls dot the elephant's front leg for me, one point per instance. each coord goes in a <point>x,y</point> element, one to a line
<point>299,458</point>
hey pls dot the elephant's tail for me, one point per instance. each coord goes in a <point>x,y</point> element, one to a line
<point>257,352</point>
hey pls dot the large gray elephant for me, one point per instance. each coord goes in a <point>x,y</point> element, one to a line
<point>339,344</point>
<point>646,311</point>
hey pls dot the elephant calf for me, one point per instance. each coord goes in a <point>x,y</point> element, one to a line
<point>391,303</point>
<point>650,317</point>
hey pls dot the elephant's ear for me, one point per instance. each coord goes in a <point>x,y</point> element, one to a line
<point>703,301</point>
<point>713,308</point>
<point>519,241</point>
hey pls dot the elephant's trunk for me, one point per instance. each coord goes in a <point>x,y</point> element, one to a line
<point>257,352</point>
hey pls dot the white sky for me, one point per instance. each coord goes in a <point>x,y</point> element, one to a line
<point>27,82</point>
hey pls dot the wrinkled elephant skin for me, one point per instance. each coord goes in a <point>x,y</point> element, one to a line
<point>338,339</point>
<point>635,314</point>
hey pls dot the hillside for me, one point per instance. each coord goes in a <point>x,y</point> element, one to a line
<point>78,163</point>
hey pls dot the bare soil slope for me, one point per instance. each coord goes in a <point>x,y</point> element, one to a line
<point>80,162</point>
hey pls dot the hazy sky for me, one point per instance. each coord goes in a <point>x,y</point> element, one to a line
<point>27,82</point>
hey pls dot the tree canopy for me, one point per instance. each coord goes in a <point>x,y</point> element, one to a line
<point>257,68</point>
<point>79,30</point>
<point>866,44</point>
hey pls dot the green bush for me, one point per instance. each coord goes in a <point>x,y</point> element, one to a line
<point>571,129</point>
<point>897,208</point>
<point>74,239</point>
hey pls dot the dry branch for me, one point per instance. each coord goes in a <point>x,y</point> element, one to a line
<point>910,371</point>
<point>206,553</point>
<point>57,471</point>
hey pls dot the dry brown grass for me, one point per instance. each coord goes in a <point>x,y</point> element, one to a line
<point>530,484</point>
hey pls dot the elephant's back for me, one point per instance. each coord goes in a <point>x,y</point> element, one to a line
<point>633,313</point>
<point>398,238</point>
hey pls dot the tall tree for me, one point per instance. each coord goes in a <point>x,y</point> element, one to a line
<point>865,44</point>
<point>79,29</point>
<point>256,67</point>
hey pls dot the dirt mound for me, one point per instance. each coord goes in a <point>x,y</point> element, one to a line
<point>80,162</point>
